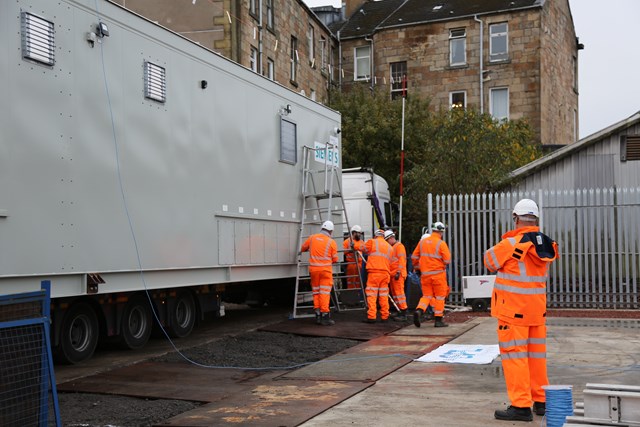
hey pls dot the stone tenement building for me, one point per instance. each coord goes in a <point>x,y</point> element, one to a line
<point>281,39</point>
<point>511,58</point>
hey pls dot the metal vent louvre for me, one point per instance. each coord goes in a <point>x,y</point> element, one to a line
<point>38,43</point>
<point>632,147</point>
<point>155,85</point>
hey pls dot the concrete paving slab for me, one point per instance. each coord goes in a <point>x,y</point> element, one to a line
<point>454,395</point>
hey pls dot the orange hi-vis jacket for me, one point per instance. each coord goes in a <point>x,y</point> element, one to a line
<point>522,261</point>
<point>432,255</point>
<point>378,253</point>
<point>399,260</point>
<point>323,251</point>
<point>358,246</point>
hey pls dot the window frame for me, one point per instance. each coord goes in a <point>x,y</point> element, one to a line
<point>396,91</point>
<point>253,59</point>
<point>271,69</point>
<point>491,103</point>
<point>454,40</point>
<point>499,56</point>
<point>356,76</point>
<point>311,44</point>
<point>293,70</point>
<point>254,9</point>
<point>270,15</point>
<point>457,92</point>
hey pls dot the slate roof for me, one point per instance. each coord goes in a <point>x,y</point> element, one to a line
<point>376,15</point>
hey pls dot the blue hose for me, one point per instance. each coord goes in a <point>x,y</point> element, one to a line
<point>559,404</point>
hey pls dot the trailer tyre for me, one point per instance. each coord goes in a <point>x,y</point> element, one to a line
<point>479,304</point>
<point>136,323</point>
<point>78,334</point>
<point>183,316</point>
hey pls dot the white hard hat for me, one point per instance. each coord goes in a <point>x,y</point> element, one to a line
<point>379,232</point>
<point>388,233</point>
<point>327,225</point>
<point>438,226</point>
<point>526,207</point>
<point>356,228</point>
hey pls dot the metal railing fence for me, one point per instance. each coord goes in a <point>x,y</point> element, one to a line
<point>597,230</point>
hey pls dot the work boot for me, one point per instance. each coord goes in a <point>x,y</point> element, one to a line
<point>326,320</point>
<point>513,413</point>
<point>416,317</point>
<point>539,408</point>
<point>439,323</point>
<point>318,319</point>
<point>401,316</point>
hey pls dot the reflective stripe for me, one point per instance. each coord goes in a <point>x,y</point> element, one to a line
<point>378,253</point>
<point>429,255</point>
<point>535,355</point>
<point>516,290</point>
<point>537,340</point>
<point>521,278</point>
<point>430,273</point>
<point>440,298</point>
<point>514,355</point>
<point>512,240</point>
<point>513,343</point>
<point>494,259</point>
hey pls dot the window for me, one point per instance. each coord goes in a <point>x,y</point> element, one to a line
<point>288,143</point>
<point>498,42</point>
<point>630,147</point>
<point>155,85</point>
<point>253,8</point>
<point>458,99</point>
<point>312,94</point>
<point>500,103</point>
<point>311,45</point>
<point>294,58</point>
<point>271,69</point>
<point>331,55</point>
<point>362,62</point>
<point>575,74</point>
<point>398,74</point>
<point>458,47</point>
<point>270,22</point>
<point>253,59</point>
<point>37,39</point>
<point>323,54</point>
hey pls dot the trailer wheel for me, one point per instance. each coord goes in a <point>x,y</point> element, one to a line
<point>78,334</point>
<point>136,324</point>
<point>479,304</point>
<point>183,316</point>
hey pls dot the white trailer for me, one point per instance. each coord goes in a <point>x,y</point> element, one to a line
<point>367,200</point>
<point>477,291</point>
<point>137,166</point>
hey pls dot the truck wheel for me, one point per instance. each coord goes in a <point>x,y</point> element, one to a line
<point>183,316</point>
<point>136,324</point>
<point>78,335</point>
<point>479,304</point>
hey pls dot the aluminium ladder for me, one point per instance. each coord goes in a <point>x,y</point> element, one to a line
<point>321,201</point>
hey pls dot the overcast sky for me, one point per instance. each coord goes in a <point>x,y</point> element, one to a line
<point>609,75</point>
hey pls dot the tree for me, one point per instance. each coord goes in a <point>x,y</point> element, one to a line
<point>446,152</point>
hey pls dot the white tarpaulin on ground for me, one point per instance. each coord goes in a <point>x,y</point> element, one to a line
<point>461,353</point>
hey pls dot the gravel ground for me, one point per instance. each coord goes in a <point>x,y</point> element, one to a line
<point>251,349</point>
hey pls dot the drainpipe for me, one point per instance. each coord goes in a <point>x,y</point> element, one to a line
<point>259,65</point>
<point>339,61</point>
<point>481,63</point>
<point>372,65</point>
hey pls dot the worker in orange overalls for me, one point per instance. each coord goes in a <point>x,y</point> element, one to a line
<point>323,251</point>
<point>430,257</point>
<point>519,302</point>
<point>398,274</point>
<point>352,256</point>
<point>378,266</point>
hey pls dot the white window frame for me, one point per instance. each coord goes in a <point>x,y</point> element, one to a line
<point>457,36</point>
<point>270,17</point>
<point>271,67</point>
<point>254,7</point>
<point>493,100</point>
<point>493,36</point>
<point>253,59</point>
<point>311,42</point>
<point>357,74</point>
<point>294,59</point>
<point>323,53</point>
<point>396,88</point>
<point>457,92</point>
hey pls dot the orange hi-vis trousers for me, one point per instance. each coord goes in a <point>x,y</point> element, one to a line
<point>321,285</point>
<point>377,291</point>
<point>397,292</point>
<point>434,291</point>
<point>523,350</point>
<point>353,276</point>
